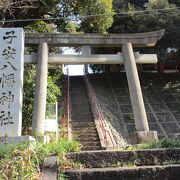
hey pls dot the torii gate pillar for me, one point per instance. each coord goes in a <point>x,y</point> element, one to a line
<point>142,134</point>
<point>39,109</point>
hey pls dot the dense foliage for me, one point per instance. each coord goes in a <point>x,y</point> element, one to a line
<point>97,15</point>
<point>133,16</point>
<point>24,161</point>
<point>53,92</point>
<point>160,14</point>
<point>52,16</point>
<point>63,13</point>
<point>162,143</point>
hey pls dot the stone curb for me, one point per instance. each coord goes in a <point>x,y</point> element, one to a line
<point>170,172</point>
<point>98,159</point>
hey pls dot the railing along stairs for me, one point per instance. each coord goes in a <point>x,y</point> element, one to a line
<point>105,135</point>
<point>65,122</point>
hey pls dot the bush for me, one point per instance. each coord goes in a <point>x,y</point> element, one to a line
<point>53,92</point>
<point>24,161</point>
<point>163,143</point>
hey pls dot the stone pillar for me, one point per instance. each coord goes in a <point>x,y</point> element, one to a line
<point>39,108</point>
<point>142,133</point>
<point>86,51</point>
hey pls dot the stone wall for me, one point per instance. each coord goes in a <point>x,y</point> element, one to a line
<point>109,108</point>
<point>162,102</point>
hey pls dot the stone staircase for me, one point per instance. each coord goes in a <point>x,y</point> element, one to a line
<point>149,164</point>
<point>82,121</point>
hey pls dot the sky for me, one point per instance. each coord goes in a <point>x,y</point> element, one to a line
<point>74,70</point>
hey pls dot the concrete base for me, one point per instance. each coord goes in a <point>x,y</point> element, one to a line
<point>139,137</point>
<point>17,139</point>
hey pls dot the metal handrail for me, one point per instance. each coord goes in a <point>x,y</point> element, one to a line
<point>99,114</point>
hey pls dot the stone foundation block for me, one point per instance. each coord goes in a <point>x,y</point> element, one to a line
<point>140,137</point>
<point>17,139</point>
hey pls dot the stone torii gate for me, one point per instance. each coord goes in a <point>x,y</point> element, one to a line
<point>86,41</point>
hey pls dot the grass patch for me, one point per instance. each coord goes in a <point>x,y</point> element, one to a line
<point>24,161</point>
<point>163,143</point>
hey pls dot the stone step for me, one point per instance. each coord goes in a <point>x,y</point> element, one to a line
<point>79,131</point>
<point>81,108</point>
<point>76,81</point>
<point>77,86</point>
<point>92,143</point>
<point>79,99</point>
<point>78,89</point>
<point>79,117</point>
<point>93,136</point>
<point>80,134</point>
<point>168,172</point>
<point>79,102</point>
<point>120,158</point>
<point>82,115</point>
<point>91,148</point>
<point>82,102</point>
<point>84,128</point>
<point>84,119</point>
<point>78,94</point>
<point>83,124</point>
<point>88,138</point>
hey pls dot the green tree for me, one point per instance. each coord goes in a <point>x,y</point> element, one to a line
<point>28,97</point>
<point>159,14</point>
<point>153,15</point>
<point>63,11</point>
<point>39,26</point>
<point>97,15</point>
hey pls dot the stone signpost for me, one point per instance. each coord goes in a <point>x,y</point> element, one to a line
<point>11,81</point>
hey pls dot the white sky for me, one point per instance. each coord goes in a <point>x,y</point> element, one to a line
<point>74,70</point>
